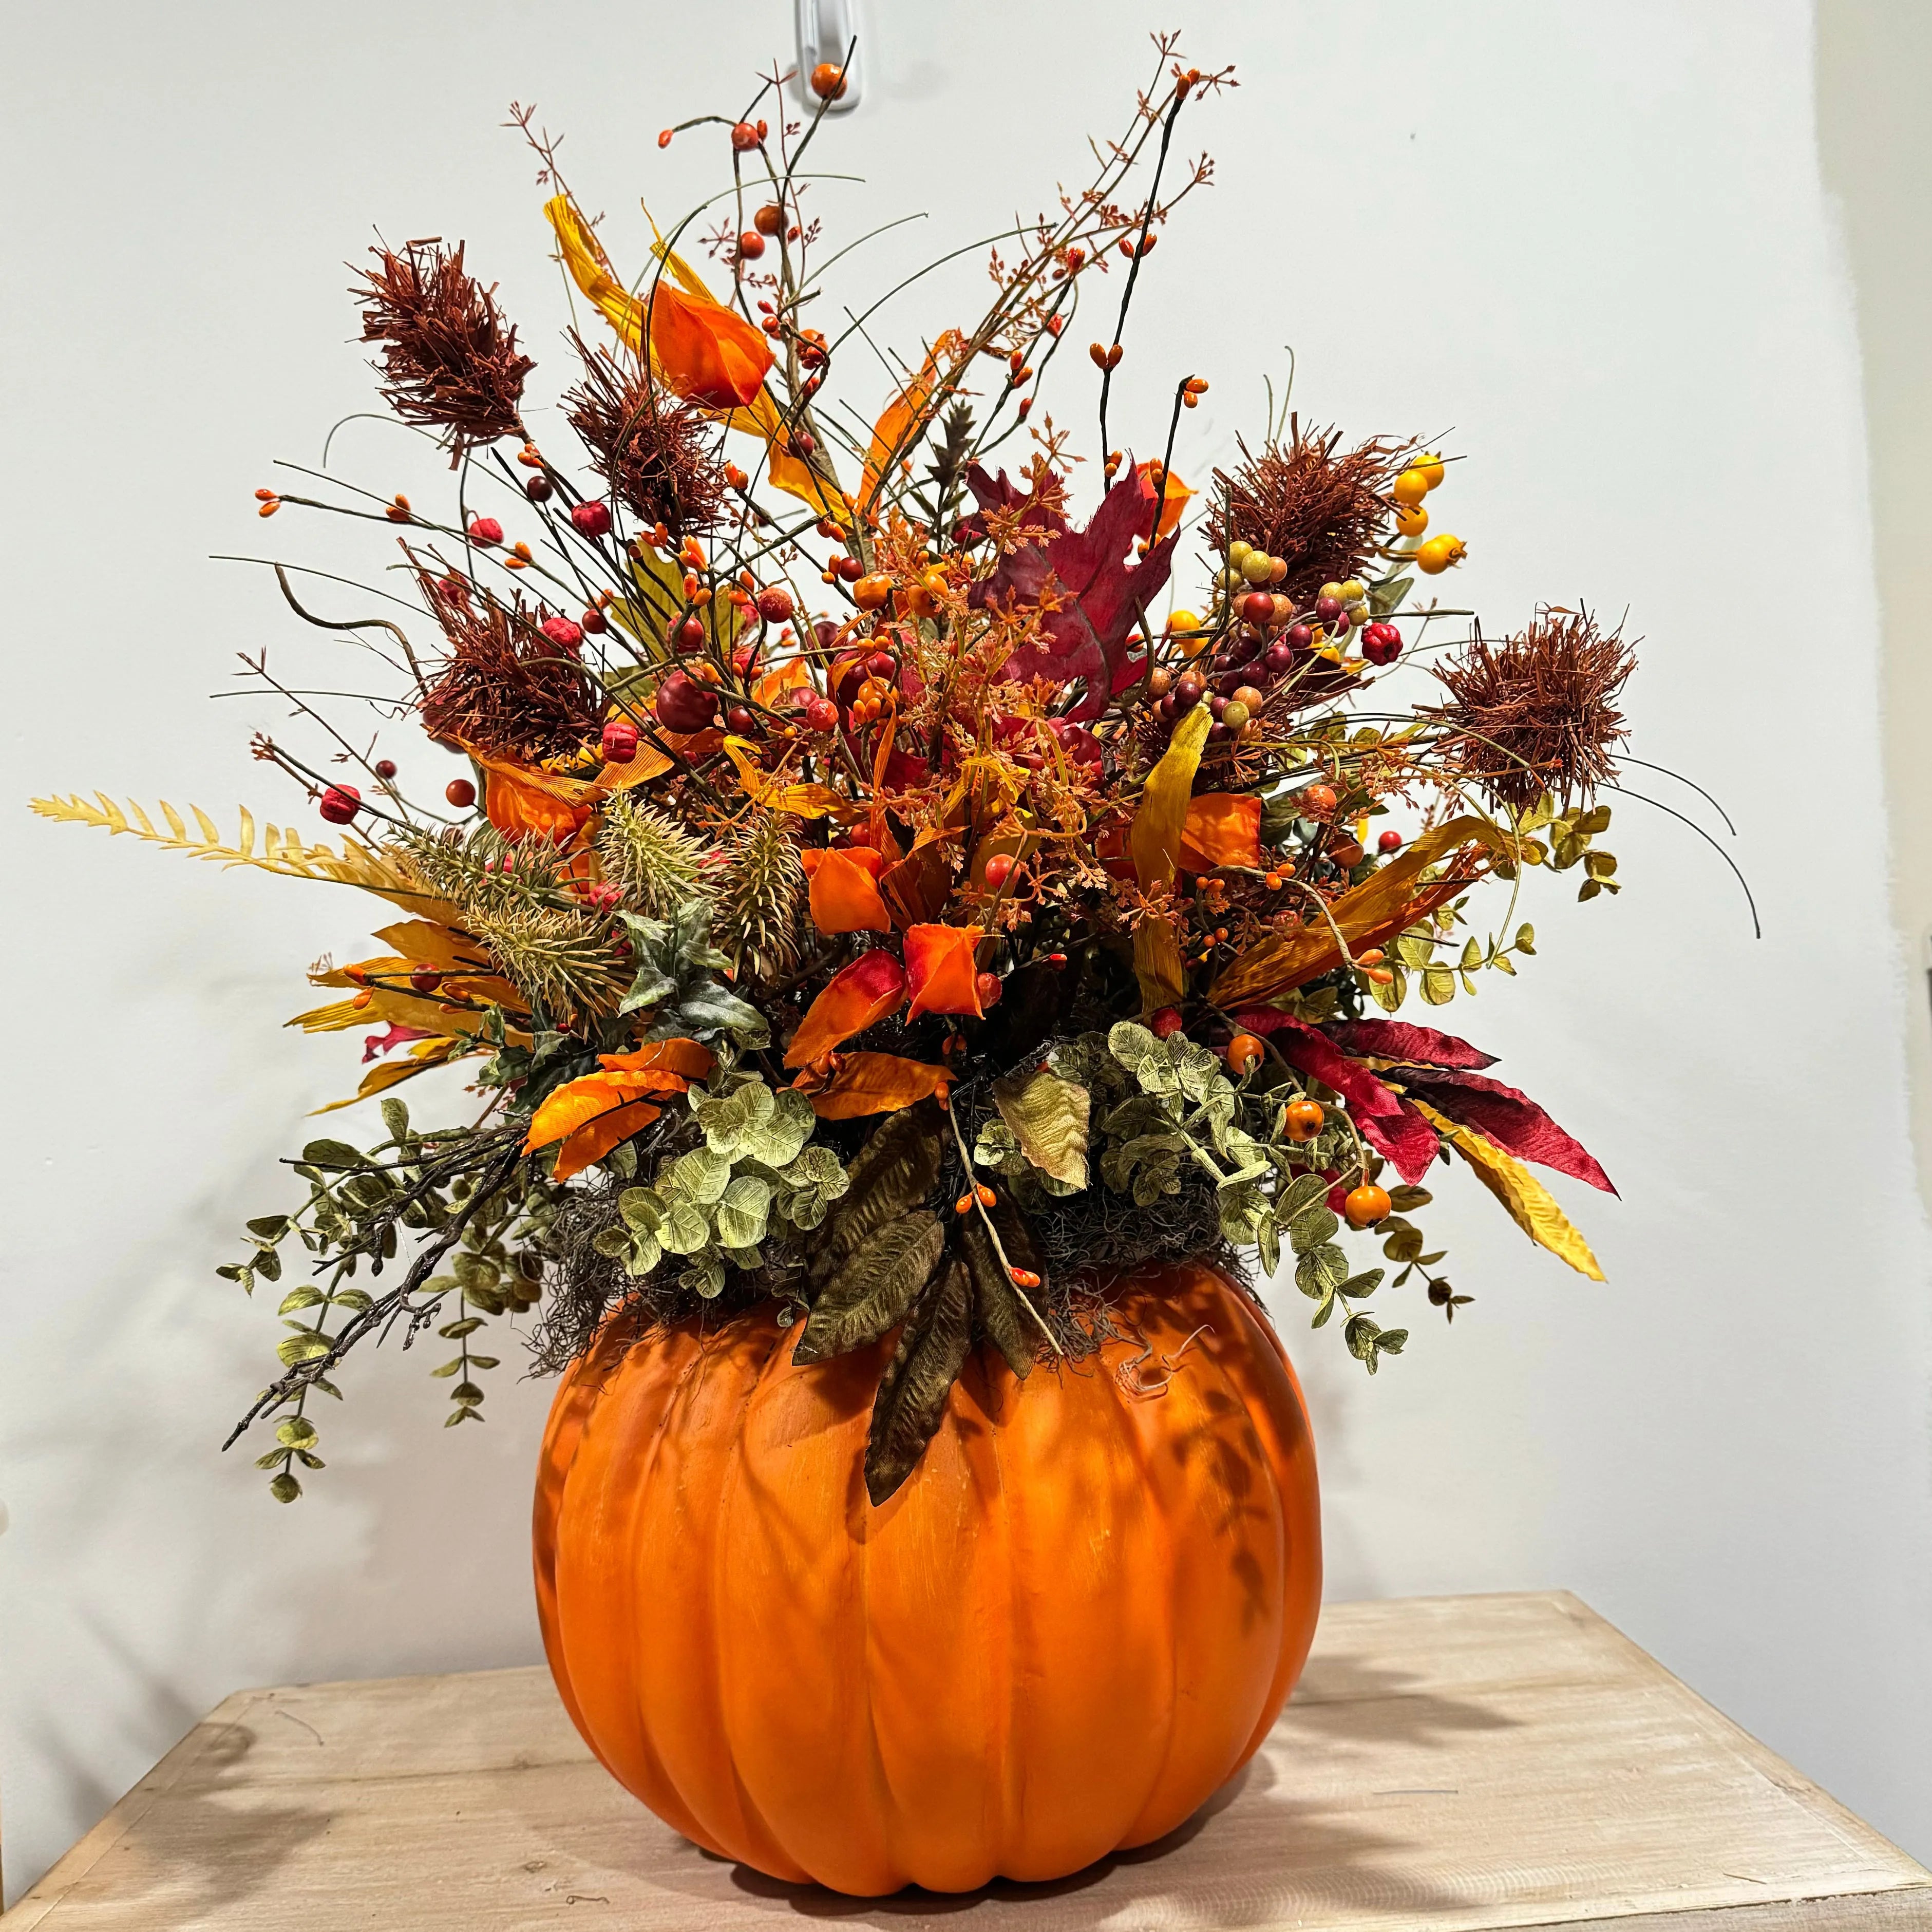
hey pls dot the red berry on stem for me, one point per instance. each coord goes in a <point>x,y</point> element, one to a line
<point>562,633</point>
<point>1300,636</point>
<point>425,979</point>
<point>385,769</point>
<point>750,245</point>
<point>691,633</point>
<point>1389,841</point>
<point>770,219</point>
<point>821,714</point>
<point>988,988</point>
<point>775,604</point>
<point>1166,1022</point>
<point>744,137</point>
<point>1188,688</point>
<point>1317,801</point>
<point>999,870</point>
<point>1278,657</point>
<point>742,719</point>
<point>592,519</point>
<point>461,793</point>
<point>538,489</point>
<point>484,532</point>
<point>595,622</point>
<point>619,743</point>
<point>341,803</point>
<point>1257,608</point>
<point>1381,644</point>
<point>684,704</point>
<point>1327,609</point>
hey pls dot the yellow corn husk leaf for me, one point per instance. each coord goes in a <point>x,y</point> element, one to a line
<point>1154,840</point>
<point>1381,906</point>
<point>421,1056</point>
<point>1527,1202</point>
<point>800,801</point>
<point>428,943</point>
<point>426,1012</point>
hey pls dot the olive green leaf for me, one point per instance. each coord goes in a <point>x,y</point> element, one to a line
<point>911,1401</point>
<point>743,1211</point>
<point>873,1288</point>
<point>1049,1118</point>
<point>895,1170</point>
<point>997,1307</point>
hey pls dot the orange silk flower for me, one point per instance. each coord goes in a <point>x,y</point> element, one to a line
<point>856,997</point>
<point>1221,829</point>
<point>520,802</point>
<point>705,353</point>
<point>940,971</point>
<point>845,890</point>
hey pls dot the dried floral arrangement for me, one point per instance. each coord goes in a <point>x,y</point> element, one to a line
<point>864,886</point>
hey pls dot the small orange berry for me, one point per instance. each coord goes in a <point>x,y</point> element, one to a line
<point>1245,1050</point>
<point>1305,1118</point>
<point>1366,1205</point>
<point>870,593</point>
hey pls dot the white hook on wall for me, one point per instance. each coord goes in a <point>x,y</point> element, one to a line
<point>826,29</point>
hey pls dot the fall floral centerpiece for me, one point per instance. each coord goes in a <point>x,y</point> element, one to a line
<point>912,973</point>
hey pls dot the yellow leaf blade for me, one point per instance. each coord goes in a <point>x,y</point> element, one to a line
<point>1526,1200</point>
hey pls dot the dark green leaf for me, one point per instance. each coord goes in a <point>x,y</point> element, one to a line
<point>873,1288</point>
<point>1010,1327</point>
<point>334,1154</point>
<point>895,1170</point>
<point>911,1401</point>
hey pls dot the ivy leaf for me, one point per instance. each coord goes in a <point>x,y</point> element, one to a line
<point>873,1288</point>
<point>1048,1117</point>
<point>911,1401</point>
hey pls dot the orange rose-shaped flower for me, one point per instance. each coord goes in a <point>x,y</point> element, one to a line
<point>940,971</point>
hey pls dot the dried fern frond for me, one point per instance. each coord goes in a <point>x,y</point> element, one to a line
<point>758,885</point>
<point>280,850</point>
<point>652,857</point>
<point>561,960</point>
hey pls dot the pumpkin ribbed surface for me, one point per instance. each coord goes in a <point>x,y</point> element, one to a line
<point>1079,1616</point>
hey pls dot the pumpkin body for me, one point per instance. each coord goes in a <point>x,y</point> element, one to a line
<point>1078,1616</point>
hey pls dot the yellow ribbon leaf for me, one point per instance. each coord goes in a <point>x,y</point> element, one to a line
<point>1527,1201</point>
<point>1154,842</point>
<point>899,428</point>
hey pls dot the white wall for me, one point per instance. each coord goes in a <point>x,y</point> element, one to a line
<point>1589,242</point>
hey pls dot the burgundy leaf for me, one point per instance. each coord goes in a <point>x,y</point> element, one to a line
<point>1513,1121</point>
<point>1316,1055</point>
<point>376,1043</point>
<point>1405,1139</point>
<point>1397,1039</point>
<point>998,494</point>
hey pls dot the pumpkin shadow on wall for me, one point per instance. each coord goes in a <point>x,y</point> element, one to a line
<point>1254,1855</point>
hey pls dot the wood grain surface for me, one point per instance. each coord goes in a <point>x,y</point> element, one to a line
<point>1452,1763</point>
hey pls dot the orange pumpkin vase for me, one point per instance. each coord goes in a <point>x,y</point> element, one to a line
<point>1077,1618</point>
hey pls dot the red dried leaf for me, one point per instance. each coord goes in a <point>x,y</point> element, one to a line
<point>1513,1121</point>
<point>1398,1039</point>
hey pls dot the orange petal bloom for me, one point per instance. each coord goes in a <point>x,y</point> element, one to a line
<point>684,1056</point>
<point>858,997</point>
<point>1221,829</point>
<point>940,969</point>
<point>1175,498</point>
<point>874,1083</point>
<point>705,353</point>
<point>845,891</point>
<point>520,802</point>
<point>590,1116</point>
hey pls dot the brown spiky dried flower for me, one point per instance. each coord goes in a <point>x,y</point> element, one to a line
<point>505,688</point>
<point>659,457</point>
<point>450,361</point>
<point>1537,712</point>
<point>1320,512</point>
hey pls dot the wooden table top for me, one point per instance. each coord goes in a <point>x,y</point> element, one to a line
<point>1455,1763</point>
